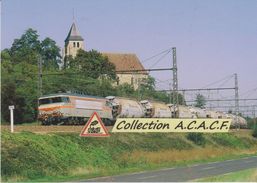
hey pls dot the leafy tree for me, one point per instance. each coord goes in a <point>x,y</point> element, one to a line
<point>50,53</point>
<point>92,64</point>
<point>200,101</point>
<point>19,74</point>
<point>8,94</point>
<point>68,60</point>
<point>125,90</point>
<point>147,90</point>
<point>18,89</point>
<point>147,84</point>
<point>26,48</point>
<point>181,99</point>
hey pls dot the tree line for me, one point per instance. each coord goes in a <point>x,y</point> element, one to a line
<point>89,72</point>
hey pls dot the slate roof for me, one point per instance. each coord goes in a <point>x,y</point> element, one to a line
<point>73,34</point>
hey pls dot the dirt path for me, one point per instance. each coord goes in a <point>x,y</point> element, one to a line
<point>46,129</point>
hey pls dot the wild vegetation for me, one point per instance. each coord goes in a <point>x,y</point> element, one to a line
<point>65,156</point>
<point>200,101</point>
<point>89,72</point>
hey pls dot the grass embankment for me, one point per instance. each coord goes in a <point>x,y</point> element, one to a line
<point>249,175</point>
<point>66,156</point>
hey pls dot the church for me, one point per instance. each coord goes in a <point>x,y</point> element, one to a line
<point>128,62</point>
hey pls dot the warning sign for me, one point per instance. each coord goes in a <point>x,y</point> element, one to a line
<point>94,127</point>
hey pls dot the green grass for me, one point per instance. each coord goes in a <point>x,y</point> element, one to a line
<point>66,156</point>
<point>249,175</point>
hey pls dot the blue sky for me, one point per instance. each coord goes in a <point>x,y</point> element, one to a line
<point>214,38</point>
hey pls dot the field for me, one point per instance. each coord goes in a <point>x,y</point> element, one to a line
<point>39,153</point>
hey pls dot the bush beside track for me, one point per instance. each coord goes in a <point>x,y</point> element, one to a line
<point>66,156</point>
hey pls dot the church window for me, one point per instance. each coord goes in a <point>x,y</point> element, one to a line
<point>78,44</point>
<point>74,44</point>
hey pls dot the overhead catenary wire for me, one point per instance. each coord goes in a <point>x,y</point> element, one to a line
<point>213,100</point>
<point>159,60</point>
<point>230,76</point>
<point>156,55</point>
<point>251,91</point>
<point>118,71</point>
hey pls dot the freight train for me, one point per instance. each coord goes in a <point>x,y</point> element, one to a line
<point>76,109</point>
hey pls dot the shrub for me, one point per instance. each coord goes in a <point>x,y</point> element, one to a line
<point>255,131</point>
<point>196,138</point>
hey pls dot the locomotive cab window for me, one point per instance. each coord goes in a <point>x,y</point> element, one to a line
<point>65,99</point>
<point>54,100</point>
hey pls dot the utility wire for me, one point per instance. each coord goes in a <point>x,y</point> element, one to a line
<point>222,84</point>
<point>147,59</point>
<point>230,76</point>
<point>159,60</point>
<point>251,90</point>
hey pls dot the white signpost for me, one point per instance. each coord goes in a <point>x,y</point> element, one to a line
<point>11,107</point>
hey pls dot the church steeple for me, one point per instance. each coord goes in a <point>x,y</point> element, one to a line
<point>73,34</point>
<point>73,42</point>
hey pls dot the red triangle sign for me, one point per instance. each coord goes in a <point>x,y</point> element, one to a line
<point>94,127</point>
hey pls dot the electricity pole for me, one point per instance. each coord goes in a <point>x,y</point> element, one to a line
<point>175,83</point>
<point>236,101</point>
<point>170,92</point>
<point>254,120</point>
<point>40,76</point>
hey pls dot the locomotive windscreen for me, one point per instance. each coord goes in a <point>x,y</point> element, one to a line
<point>54,100</point>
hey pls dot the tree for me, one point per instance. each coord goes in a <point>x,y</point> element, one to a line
<point>92,64</point>
<point>146,90</point>
<point>68,62</point>
<point>50,53</point>
<point>147,84</point>
<point>19,74</point>
<point>26,48</point>
<point>7,85</point>
<point>200,101</point>
<point>19,89</point>
<point>125,90</point>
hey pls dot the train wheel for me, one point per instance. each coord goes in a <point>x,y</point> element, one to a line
<point>45,122</point>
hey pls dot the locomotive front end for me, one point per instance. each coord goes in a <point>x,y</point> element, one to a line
<point>53,109</point>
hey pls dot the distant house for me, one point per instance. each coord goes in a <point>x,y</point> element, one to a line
<point>127,64</point>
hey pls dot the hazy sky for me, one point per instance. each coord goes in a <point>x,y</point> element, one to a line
<point>214,38</point>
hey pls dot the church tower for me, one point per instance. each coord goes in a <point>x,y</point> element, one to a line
<point>73,42</point>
